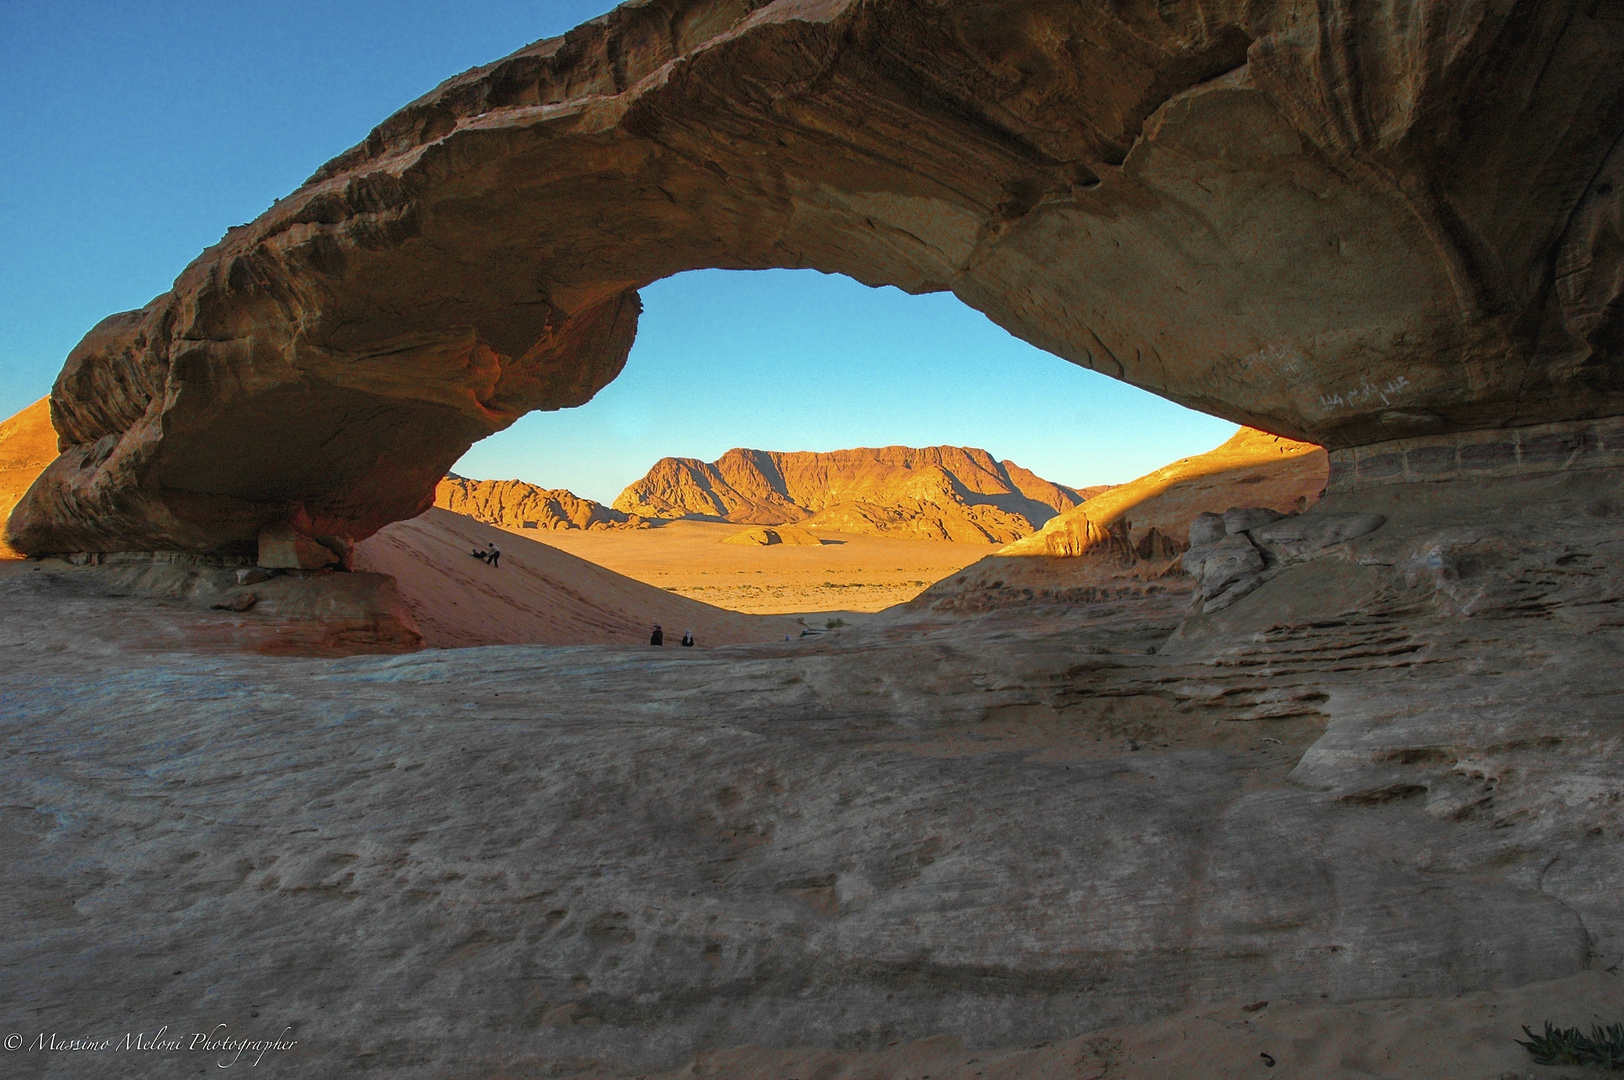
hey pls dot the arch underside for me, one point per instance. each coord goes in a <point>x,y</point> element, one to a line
<point>1337,227</point>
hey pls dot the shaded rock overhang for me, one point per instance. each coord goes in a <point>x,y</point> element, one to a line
<point>1339,222</point>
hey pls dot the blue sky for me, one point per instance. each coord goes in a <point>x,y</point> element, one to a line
<point>139,132</point>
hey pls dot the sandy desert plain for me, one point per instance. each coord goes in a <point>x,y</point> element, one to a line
<point>1303,757</point>
<point>846,575</point>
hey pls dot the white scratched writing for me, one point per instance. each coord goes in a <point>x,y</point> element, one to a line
<point>1364,393</point>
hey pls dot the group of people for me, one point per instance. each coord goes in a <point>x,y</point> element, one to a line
<point>492,554</point>
<point>658,637</point>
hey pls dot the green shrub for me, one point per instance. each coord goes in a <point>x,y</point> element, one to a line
<point>1570,1046</point>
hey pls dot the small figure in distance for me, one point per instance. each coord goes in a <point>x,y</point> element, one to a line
<point>687,639</point>
<point>658,637</point>
<point>480,555</point>
<point>492,552</point>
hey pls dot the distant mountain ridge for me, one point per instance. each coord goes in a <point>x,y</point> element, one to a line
<point>934,492</point>
<point>519,505</point>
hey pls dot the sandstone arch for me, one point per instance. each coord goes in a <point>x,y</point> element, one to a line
<point>1338,222</point>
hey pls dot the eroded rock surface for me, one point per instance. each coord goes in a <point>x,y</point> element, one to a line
<point>1236,552</point>
<point>935,492</point>
<point>519,505</point>
<point>1025,827</point>
<point>1342,226</point>
<point>1137,532</point>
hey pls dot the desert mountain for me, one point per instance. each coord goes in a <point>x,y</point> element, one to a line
<point>518,505</point>
<point>937,493</point>
<point>27,445</point>
<point>1136,530</point>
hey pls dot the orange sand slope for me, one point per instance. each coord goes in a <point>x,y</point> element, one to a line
<point>27,445</point>
<point>537,595</point>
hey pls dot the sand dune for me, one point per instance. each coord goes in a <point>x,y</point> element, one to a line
<point>537,595</point>
<point>27,445</point>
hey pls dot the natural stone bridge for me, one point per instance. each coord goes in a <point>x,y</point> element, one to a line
<point>1393,229</point>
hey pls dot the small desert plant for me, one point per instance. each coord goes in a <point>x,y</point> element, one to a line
<point>1570,1046</point>
<point>835,624</point>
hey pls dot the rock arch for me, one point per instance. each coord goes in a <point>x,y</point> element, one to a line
<point>1339,222</point>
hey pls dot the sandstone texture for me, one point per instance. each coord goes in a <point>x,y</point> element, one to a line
<point>1344,226</point>
<point>1153,515</point>
<point>27,445</point>
<point>516,504</point>
<point>1365,820</point>
<point>1137,532</point>
<point>935,493</point>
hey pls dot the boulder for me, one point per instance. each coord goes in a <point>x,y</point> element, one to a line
<point>1245,519</point>
<point>781,536</point>
<point>1219,565</point>
<point>1207,528</point>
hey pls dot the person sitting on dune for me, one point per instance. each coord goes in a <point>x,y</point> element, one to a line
<point>658,637</point>
<point>687,639</point>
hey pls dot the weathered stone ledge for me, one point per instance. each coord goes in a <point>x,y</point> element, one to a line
<point>166,558</point>
<point>1469,455</point>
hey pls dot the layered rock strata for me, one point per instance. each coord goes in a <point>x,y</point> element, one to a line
<point>1338,225</point>
<point>937,492</point>
<point>518,505</point>
<point>1151,516</point>
<point>1233,553</point>
<point>1136,532</point>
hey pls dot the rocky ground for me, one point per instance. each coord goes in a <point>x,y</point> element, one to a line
<point>1388,777</point>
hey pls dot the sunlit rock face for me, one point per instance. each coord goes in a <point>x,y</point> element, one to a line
<point>1341,224</point>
